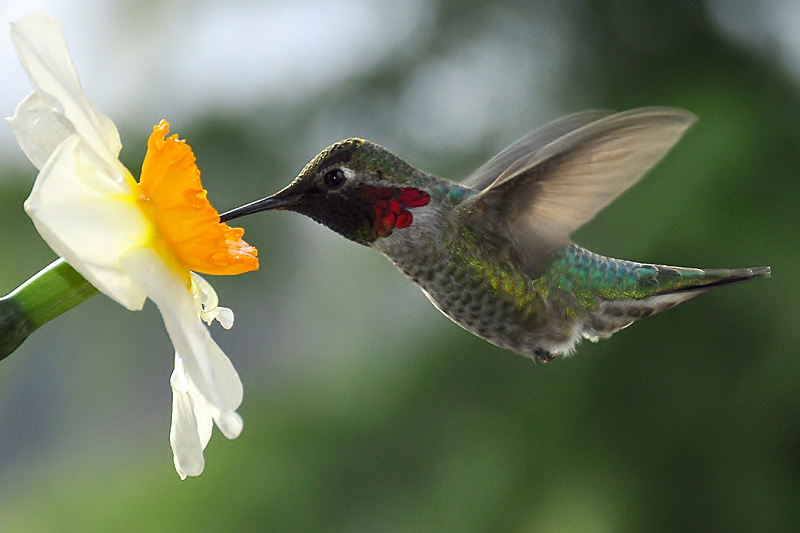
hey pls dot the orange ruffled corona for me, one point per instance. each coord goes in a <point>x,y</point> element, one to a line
<point>186,221</point>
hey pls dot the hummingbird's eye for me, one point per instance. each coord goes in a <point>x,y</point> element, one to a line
<point>334,178</point>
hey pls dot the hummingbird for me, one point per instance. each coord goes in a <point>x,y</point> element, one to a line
<point>493,253</point>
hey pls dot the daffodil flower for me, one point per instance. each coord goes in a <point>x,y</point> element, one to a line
<point>132,240</point>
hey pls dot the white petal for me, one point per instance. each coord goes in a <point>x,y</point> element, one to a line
<point>85,210</point>
<point>178,380</point>
<point>206,303</point>
<point>42,50</point>
<point>200,408</point>
<point>224,317</point>
<point>205,364</point>
<point>191,425</point>
<point>210,370</point>
<point>230,423</point>
<point>39,127</point>
<point>202,369</point>
<point>187,448</point>
<point>205,420</point>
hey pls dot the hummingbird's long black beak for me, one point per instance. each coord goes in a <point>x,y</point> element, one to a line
<point>276,201</point>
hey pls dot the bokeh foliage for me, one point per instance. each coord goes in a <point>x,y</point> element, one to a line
<point>366,410</point>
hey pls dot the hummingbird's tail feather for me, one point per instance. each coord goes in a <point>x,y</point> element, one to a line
<point>658,288</point>
<point>717,277</point>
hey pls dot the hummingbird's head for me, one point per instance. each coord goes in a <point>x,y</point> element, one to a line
<point>354,187</point>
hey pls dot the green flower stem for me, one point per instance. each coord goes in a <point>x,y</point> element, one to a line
<point>53,291</point>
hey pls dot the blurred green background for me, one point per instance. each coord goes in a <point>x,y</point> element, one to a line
<point>365,409</point>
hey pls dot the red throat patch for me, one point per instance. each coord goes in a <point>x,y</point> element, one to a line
<point>391,206</point>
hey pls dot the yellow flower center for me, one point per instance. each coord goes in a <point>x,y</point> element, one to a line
<point>187,223</point>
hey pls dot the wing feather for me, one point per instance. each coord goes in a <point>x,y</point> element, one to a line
<point>530,144</point>
<point>544,194</point>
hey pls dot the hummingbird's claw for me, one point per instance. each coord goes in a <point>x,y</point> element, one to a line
<point>542,356</point>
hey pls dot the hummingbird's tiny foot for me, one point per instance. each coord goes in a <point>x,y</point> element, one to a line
<point>542,356</point>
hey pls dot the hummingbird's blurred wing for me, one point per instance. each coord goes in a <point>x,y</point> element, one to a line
<point>529,145</point>
<point>545,193</point>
